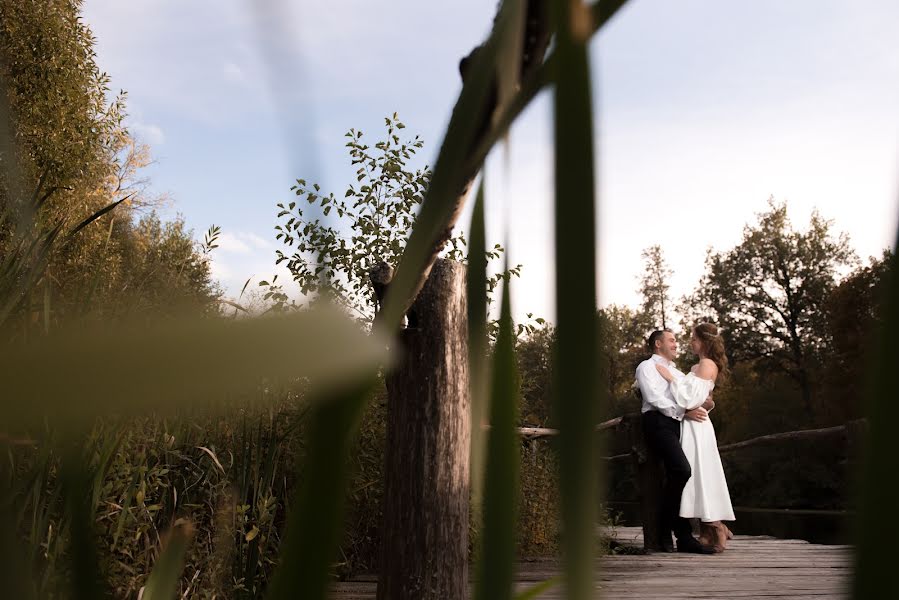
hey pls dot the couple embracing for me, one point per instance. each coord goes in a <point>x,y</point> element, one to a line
<point>676,426</point>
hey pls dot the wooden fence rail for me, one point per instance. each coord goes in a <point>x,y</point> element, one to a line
<point>648,467</point>
<point>851,429</point>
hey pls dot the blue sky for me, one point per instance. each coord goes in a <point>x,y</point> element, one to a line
<point>705,108</point>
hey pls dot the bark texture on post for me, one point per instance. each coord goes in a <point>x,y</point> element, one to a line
<point>648,467</point>
<point>424,536</point>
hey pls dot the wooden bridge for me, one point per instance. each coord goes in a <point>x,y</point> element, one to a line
<point>752,567</point>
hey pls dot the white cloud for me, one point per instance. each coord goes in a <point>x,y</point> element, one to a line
<point>233,270</point>
<point>147,132</point>
<point>242,242</point>
<point>234,73</point>
<point>220,270</point>
<point>231,243</point>
<point>255,240</point>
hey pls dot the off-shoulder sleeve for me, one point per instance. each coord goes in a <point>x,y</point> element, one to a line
<point>691,391</point>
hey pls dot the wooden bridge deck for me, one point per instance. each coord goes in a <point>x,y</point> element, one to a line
<point>752,567</point>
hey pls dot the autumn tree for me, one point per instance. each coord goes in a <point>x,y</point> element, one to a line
<point>654,286</point>
<point>770,292</point>
<point>63,125</point>
<point>69,171</point>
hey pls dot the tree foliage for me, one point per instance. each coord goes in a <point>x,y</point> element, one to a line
<point>333,242</point>
<point>65,130</point>
<point>370,221</point>
<point>70,181</point>
<point>623,331</point>
<point>770,293</point>
<point>855,312</point>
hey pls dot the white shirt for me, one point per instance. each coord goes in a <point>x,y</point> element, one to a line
<point>656,392</point>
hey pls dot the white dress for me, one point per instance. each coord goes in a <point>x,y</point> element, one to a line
<point>705,496</point>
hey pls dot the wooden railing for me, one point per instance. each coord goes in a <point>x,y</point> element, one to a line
<point>649,469</point>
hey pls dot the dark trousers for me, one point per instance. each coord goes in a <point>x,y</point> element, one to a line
<point>663,437</point>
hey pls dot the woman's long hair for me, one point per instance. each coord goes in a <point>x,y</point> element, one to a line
<point>713,347</point>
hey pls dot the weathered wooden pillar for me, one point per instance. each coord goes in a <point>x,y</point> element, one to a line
<point>424,537</point>
<point>649,474</point>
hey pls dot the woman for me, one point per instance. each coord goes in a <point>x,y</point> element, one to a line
<point>705,496</point>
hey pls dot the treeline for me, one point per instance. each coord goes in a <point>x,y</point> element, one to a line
<point>79,237</point>
<point>797,309</point>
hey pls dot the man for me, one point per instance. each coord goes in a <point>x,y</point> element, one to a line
<point>662,418</point>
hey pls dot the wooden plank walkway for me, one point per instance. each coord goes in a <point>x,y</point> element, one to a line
<point>752,567</point>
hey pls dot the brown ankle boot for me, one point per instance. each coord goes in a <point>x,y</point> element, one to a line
<point>706,534</point>
<point>730,534</point>
<point>719,539</point>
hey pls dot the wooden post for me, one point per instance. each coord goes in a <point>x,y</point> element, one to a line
<point>424,537</point>
<point>649,473</point>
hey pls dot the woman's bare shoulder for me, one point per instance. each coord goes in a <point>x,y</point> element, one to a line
<point>707,369</point>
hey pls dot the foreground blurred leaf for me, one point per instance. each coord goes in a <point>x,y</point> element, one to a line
<point>461,155</point>
<point>877,528</point>
<point>496,567</point>
<point>577,392</point>
<point>477,345</point>
<point>539,589</point>
<point>315,519</point>
<point>82,373</point>
<point>453,171</point>
<point>162,584</point>
<point>15,570</point>
<point>85,583</point>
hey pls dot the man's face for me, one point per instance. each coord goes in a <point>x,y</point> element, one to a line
<point>667,346</point>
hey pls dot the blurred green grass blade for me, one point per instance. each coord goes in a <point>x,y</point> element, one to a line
<point>15,568</point>
<point>315,517</point>
<point>178,362</point>
<point>577,356</point>
<point>162,584</point>
<point>459,160</point>
<point>451,173</point>
<point>86,582</point>
<point>877,528</point>
<point>508,59</point>
<point>537,590</point>
<point>476,282</point>
<point>496,565</point>
<point>601,12</point>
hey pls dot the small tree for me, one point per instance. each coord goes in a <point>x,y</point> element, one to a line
<point>654,286</point>
<point>334,244</point>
